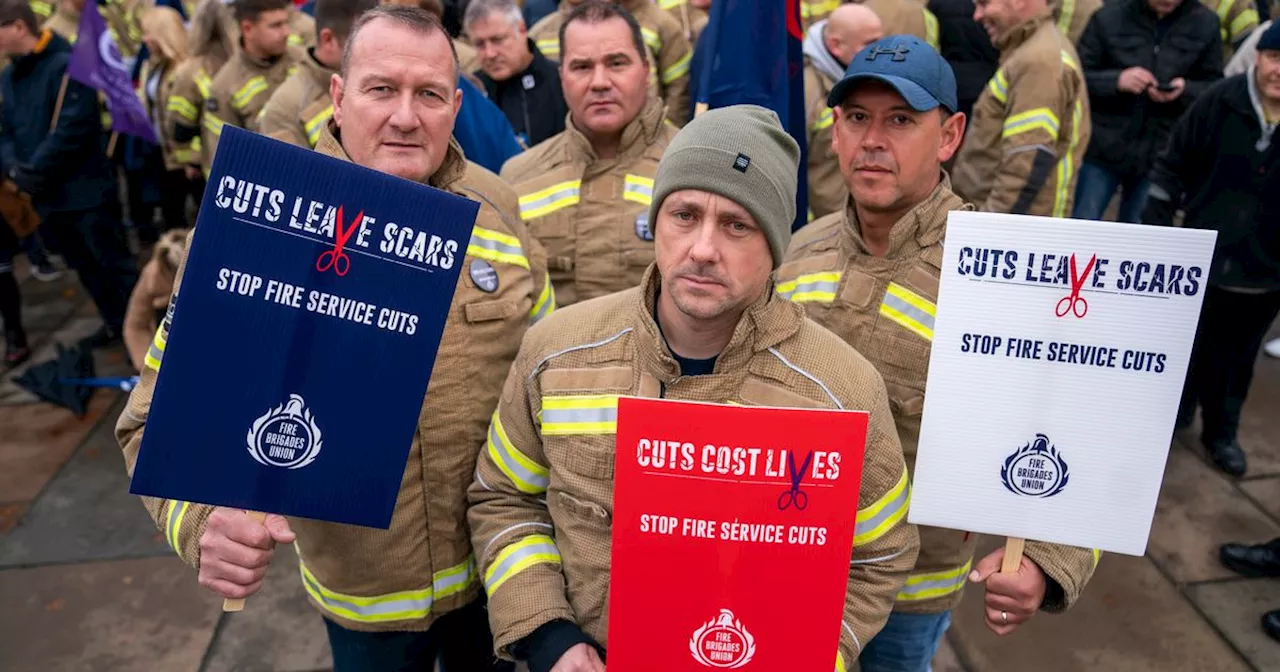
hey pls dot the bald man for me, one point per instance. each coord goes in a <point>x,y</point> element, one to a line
<point>829,46</point>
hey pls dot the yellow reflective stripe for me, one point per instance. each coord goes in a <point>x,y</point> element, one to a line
<point>184,108</point>
<point>186,155</point>
<point>825,120</point>
<point>204,83</point>
<point>546,303</point>
<point>532,550</point>
<point>399,606</point>
<point>677,70</point>
<point>652,39</point>
<point>818,10</point>
<point>550,47</point>
<point>211,123</point>
<point>930,29</point>
<point>156,352</point>
<point>173,526</point>
<point>932,585</point>
<point>637,189</point>
<point>999,87</point>
<point>671,4</point>
<point>1064,18</point>
<point>909,310</point>
<point>295,39</point>
<point>1070,62</point>
<point>1024,122</point>
<point>497,247</point>
<point>812,287</point>
<point>876,520</point>
<point>1097,556</point>
<point>579,414</point>
<point>528,476</point>
<point>840,663</point>
<point>317,123</point>
<point>246,94</point>
<point>1247,18</point>
<point>1066,166</point>
<point>41,8</point>
<point>549,200</point>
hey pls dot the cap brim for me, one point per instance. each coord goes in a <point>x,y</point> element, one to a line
<point>915,95</point>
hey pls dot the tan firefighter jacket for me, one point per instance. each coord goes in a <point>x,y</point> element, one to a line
<point>1029,129</point>
<point>542,499</point>
<point>301,108</point>
<point>884,307</point>
<point>670,52</point>
<point>592,215</point>
<point>405,577</point>
<point>240,90</point>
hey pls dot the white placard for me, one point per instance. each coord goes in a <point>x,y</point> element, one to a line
<point>1048,417</point>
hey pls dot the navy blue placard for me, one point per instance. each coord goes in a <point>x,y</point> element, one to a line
<point>272,396</point>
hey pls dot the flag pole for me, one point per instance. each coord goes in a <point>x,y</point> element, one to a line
<point>111,144</point>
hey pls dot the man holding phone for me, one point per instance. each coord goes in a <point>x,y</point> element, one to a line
<point>1145,62</point>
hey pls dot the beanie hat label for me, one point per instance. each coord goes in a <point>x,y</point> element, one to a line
<point>741,163</point>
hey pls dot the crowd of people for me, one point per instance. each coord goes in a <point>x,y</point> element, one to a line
<point>647,250</point>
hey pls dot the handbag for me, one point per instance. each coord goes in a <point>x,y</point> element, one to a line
<point>16,206</point>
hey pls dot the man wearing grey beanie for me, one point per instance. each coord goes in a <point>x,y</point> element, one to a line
<point>705,325</point>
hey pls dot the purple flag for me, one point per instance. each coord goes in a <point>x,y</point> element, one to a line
<point>96,62</point>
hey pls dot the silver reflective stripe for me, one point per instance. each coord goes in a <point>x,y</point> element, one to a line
<point>499,572</point>
<point>947,584</point>
<point>455,581</point>
<point>420,605</point>
<point>815,286</point>
<point>890,509</point>
<point>549,199</point>
<point>896,303</point>
<point>545,310</point>
<point>510,463</point>
<point>806,374</point>
<point>634,188</point>
<point>495,246</point>
<point>579,415</point>
<point>155,352</point>
<point>575,348</point>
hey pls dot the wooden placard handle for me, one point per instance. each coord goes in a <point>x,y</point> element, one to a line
<point>1012,555</point>
<point>238,605</point>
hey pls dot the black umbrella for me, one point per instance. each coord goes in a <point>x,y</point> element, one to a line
<point>68,380</point>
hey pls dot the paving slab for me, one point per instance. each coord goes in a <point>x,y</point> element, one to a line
<point>1130,618</point>
<point>10,514</point>
<point>1199,510</point>
<point>1265,492</point>
<point>1235,609</point>
<point>1258,431</point>
<point>278,631</point>
<point>134,615</point>
<point>86,513</point>
<point>70,334</point>
<point>37,439</point>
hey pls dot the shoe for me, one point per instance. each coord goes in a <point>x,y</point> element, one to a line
<point>1229,456</point>
<point>1271,624</point>
<point>46,272</point>
<point>1256,561</point>
<point>1272,348</point>
<point>101,338</point>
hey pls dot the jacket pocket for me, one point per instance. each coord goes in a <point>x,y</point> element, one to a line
<point>583,533</point>
<point>555,232</point>
<point>487,310</point>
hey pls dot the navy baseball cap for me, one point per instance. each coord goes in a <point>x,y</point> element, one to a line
<point>908,64</point>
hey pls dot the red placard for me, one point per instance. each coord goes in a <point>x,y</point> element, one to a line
<point>732,535</point>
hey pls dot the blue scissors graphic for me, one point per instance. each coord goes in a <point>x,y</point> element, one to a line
<point>336,258</point>
<point>794,495</point>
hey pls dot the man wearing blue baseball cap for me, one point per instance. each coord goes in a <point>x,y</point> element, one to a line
<point>870,275</point>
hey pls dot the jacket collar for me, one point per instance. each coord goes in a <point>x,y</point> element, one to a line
<point>765,323</point>
<point>48,43</point>
<point>1020,34</point>
<point>319,72</point>
<point>259,63</point>
<point>922,225</point>
<point>637,137</point>
<point>449,173</point>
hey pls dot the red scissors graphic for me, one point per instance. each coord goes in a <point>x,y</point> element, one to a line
<point>337,259</point>
<point>1074,303</point>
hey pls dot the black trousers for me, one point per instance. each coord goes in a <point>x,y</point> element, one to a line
<point>93,244</point>
<point>460,640</point>
<point>1232,328</point>
<point>176,190</point>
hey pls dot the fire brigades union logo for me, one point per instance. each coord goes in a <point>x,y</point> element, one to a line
<point>1035,470</point>
<point>722,643</point>
<point>286,436</point>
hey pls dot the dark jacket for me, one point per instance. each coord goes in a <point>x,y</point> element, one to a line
<point>1130,130</point>
<point>966,47</point>
<point>532,100</point>
<point>64,170</point>
<point>482,130</point>
<point>1218,171</point>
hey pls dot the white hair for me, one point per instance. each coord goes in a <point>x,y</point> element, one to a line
<point>483,9</point>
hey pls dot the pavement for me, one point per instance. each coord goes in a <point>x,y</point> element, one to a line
<point>88,583</point>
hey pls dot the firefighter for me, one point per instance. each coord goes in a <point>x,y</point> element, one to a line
<point>585,193</point>
<point>244,85</point>
<point>706,324</point>
<point>393,598</point>
<point>1031,124</point>
<point>870,275</point>
<point>298,111</point>
<point>670,52</point>
<point>209,46</point>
